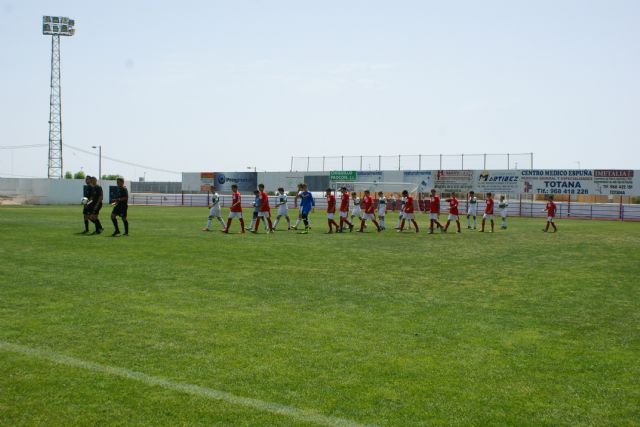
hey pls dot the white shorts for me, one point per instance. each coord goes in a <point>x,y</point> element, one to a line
<point>406,215</point>
<point>503,214</point>
<point>330,215</point>
<point>356,212</point>
<point>472,211</point>
<point>344,214</point>
<point>487,216</point>
<point>264,214</point>
<point>381,212</point>
<point>368,216</point>
<point>235,214</point>
<point>283,210</point>
<point>215,212</point>
<point>549,219</point>
<point>453,217</point>
<point>434,216</point>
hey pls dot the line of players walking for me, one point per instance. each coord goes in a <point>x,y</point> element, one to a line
<point>360,209</point>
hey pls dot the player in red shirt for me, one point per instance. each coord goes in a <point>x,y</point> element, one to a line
<point>551,214</point>
<point>264,211</point>
<point>434,211</point>
<point>453,212</point>
<point>488,212</point>
<point>331,211</point>
<point>235,209</point>
<point>344,210</point>
<point>408,212</point>
<point>369,211</point>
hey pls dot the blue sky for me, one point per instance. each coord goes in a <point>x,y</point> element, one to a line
<point>211,85</point>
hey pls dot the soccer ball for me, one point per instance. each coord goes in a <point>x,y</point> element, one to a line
<point>84,200</point>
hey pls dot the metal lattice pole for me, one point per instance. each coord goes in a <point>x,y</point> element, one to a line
<point>55,113</point>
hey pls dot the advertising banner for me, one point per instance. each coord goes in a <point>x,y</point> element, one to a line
<point>557,181</point>
<point>615,182</point>
<point>424,179</point>
<point>246,181</point>
<point>497,182</point>
<point>370,176</point>
<point>343,175</point>
<point>459,181</point>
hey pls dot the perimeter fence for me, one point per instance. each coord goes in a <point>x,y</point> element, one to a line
<point>520,207</point>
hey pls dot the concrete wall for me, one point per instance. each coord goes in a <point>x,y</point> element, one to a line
<point>43,191</point>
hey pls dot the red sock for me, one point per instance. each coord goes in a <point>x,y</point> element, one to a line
<point>270,224</point>
<point>229,223</point>
<point>376,224</point>
<point>362,225</point>
<point>241,224</point>
<point>402,224</point>
<point>415,224</point>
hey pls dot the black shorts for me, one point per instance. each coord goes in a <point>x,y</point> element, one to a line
<point>86,210</point>
<point>96,209</point>
<point>120,210</point>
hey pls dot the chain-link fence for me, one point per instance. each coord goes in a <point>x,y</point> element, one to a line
<point>482,161</point>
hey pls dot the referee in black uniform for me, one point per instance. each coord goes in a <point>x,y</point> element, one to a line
<point>96,204</point>
<point>121,204</point>
<point>86,209</point>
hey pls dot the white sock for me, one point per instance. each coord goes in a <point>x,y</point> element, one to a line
<point>209,223</point>
<point>222,223</point>
<point>298,222</point>
<point>275,223</point>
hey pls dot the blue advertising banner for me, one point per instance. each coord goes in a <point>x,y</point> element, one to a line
<point>246,181</point>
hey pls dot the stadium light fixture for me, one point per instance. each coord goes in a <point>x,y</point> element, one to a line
<point>58,26</point>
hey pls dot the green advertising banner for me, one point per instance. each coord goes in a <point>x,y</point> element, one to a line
<point>343,175</point>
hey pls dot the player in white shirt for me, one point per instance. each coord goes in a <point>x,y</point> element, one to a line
<point>382,209</point>
<point>472,209</point>
<point>215,211</point>
<point>283,208</point>
<point>356,211</point>
<point>503,205</point>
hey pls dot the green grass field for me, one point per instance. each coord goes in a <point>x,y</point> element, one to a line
<point>173,326</point>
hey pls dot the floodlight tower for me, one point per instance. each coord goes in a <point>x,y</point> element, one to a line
<point>56,26</point>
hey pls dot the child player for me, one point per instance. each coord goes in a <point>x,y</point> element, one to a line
<point>306,205</point>
<point>551,214</point>
<point>403,201</point>
<point>344,209</point>
<point>264,211</point>
<point>472,209</point>
<point>488,212</point>
<point>331,211</point>
<point>453,212</point>
<point>369,211</point>
<point>255,204</point>
<point>214,210</point>
<point>434,211</point>
<point>299,219</point>
<point>283,208</point>
<point>382,208</point>
<point>235,210</point>
<point>503,205</point>
<point>408,211</point>
<point>356,211</point>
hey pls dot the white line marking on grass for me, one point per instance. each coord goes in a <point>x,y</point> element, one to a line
<point>192,389</point>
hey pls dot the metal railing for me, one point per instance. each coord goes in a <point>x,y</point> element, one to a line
<point>517,207</point>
